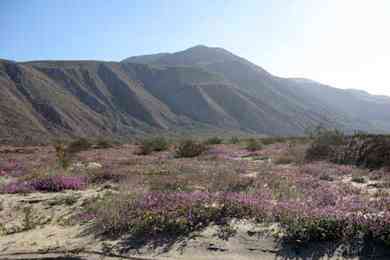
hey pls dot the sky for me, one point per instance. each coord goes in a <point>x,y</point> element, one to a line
<point>343,43</point>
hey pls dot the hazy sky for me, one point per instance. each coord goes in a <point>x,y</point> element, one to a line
<point>345,43</point>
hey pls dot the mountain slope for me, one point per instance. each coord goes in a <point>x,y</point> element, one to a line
<point>301,105</point>
<point>202,87</point>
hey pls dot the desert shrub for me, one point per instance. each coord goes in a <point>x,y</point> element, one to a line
<point>377,175</point>
<point>103,144</point>
<point>162,180</point>
<point>329,137</point>
<point>283,189</point>
<point>79,145</point>
<point>59,183</point>
<point>47,184</point>
<point>63,157</point>
<point>363,150</point>
<point>368,151</point>
<point>66,152</point>
<point>319,216</point>
<point>234,140</point>
<point>226,231</point>
<point>190,148</point>
<point>295,153</point>
<point>147,215</point>
<point>22,187</point>
<point>253,145</point>
<point>324,145</point>
<point>272,140</point>
<point>27,221</point>
<point>358,179</point>
<point>100,176</point>
<point>241,185</point>
<point>61,200</point>
<point>167,184</point>
<point>284,159</point>
<point>150,145</point>
<point>326,177</point>
<point>312,229</point>
<point>213,140</point>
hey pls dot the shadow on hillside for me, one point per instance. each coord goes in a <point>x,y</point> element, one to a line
<point>356,249</point>
<point>323,250</point>
<point>156,244</point>
<point>137,242</point>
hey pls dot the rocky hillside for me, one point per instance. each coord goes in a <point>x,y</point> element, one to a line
<point>199,88</point>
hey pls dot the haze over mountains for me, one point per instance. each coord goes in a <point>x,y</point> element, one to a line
<point>198,88</point>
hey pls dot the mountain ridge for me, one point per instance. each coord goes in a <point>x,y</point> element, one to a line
<point>201,87</point>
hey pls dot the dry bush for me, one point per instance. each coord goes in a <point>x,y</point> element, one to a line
<point>229,181</point>
<point>190,148</point>
<point>295,153</point>
<point>253,145</point>
<point>100,176</point>
<point>65,153</point>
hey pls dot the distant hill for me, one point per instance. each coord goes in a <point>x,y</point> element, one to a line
<point>199,88</point>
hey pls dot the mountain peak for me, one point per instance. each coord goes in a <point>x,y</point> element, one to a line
<point>199,46</point>
<point>196,55</point>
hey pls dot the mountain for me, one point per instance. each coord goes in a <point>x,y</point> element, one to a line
<point>198,89</point>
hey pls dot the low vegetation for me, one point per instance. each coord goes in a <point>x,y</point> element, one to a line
<point>214,140</point>
<point>234,140</point>
<point>312,194</point>
<point>253,145</point>
<point>47,184</point>
<point>66,152</point>
<point>190,148</point>
<point>363,150</point>
<point>324,144</point>
<point>150,145</point>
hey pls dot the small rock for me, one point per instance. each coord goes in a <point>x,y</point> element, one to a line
<point>93,166</point>
<point>213,247</point>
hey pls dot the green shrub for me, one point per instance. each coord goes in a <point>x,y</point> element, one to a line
<point>103,144</point>
<point>234,140</point>
<point>253,145</point>
<point>310,229</point>
<point>368,151</point>
<point>272,140</point>
<point>156,144</point>
<point>358,179</point>
<point>79,145</point>
<point>190,148</point>
<point>214,140</point>
<point>324,144</point>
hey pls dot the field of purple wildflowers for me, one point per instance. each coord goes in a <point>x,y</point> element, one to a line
<point>161,194</point>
